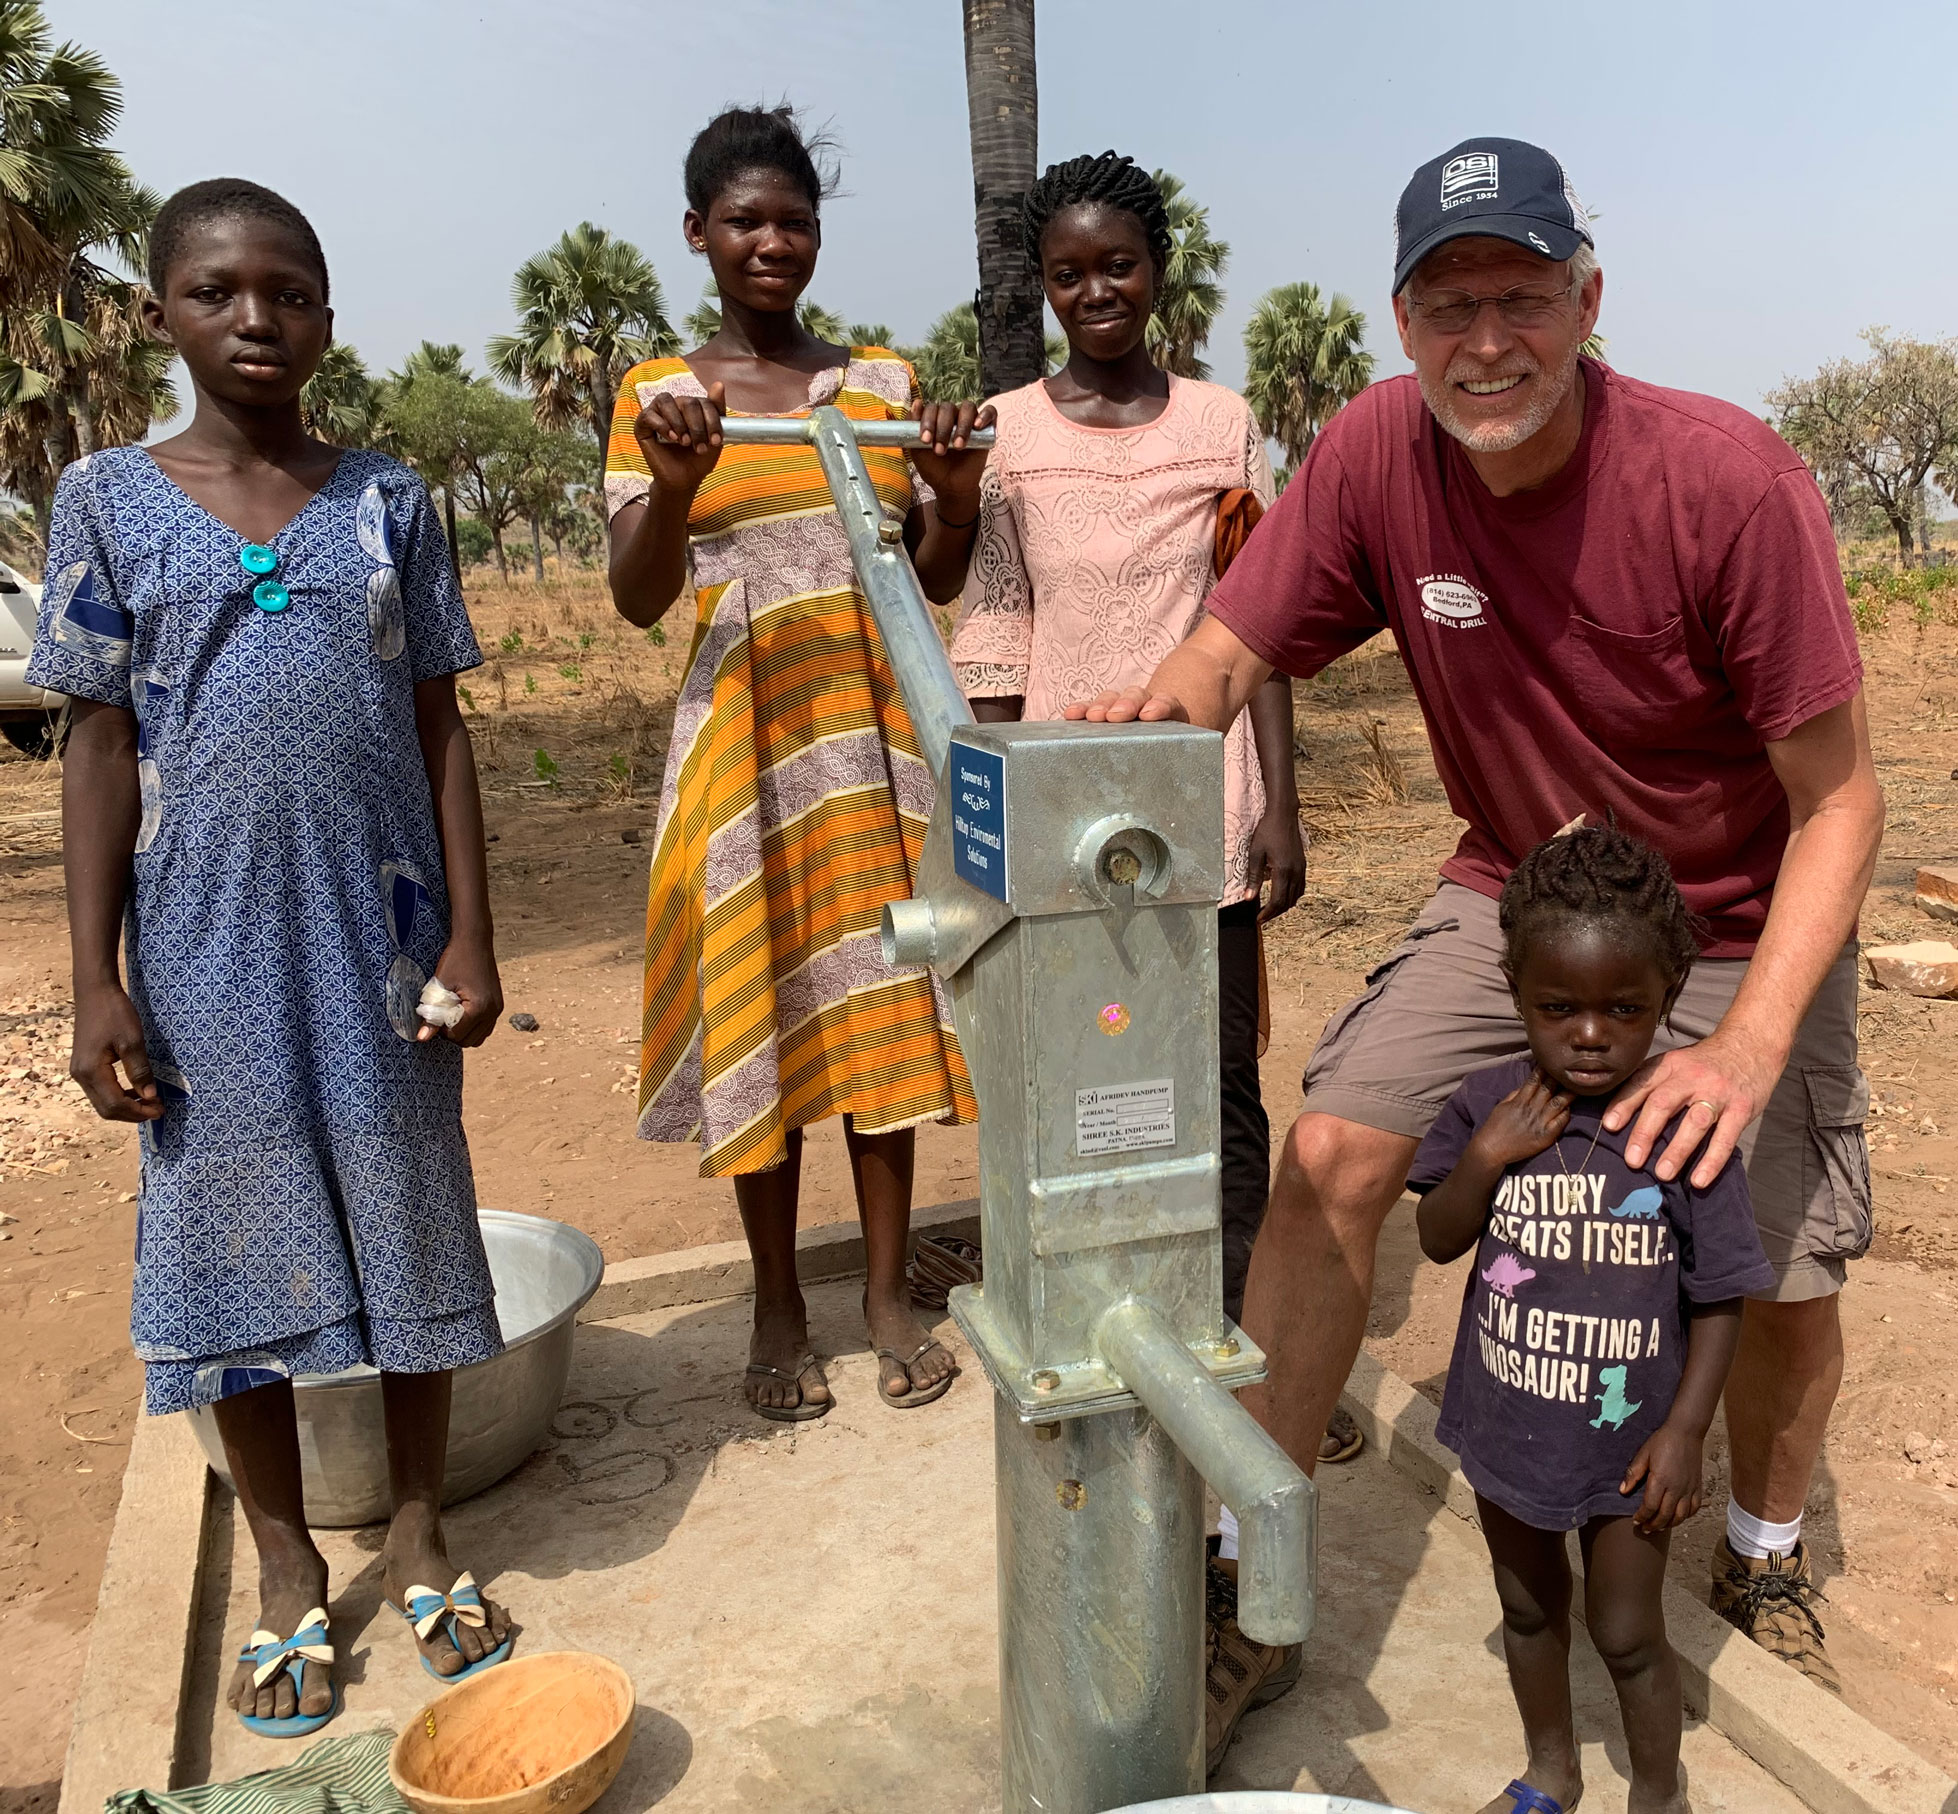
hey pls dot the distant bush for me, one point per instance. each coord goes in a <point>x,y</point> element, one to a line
<point>1925,595</point>
<point>473,542</point>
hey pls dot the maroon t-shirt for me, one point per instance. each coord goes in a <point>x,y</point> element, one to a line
<point>1623,640</point>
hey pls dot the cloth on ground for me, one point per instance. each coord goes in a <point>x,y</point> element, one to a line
<point>346,1775</point>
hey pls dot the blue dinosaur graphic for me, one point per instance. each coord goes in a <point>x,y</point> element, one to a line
<point>1642,1203</point>
<point>1614,1407</point>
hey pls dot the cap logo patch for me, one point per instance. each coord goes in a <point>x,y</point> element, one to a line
<point>1542,245</point>
<point>1465,178</point>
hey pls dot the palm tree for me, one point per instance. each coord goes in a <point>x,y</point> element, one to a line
<point>1190,295</point>
<point>703,321</point>
<point>589,309</point>
<point>1003,115</point>
<point>58,107</point>
<point>948,363</point>
<point>340,399</point>
<point>869,333</point>
<point>1303,358</point>
<point>76,367</point>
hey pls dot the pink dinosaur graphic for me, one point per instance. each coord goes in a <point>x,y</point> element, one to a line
<point>1505,1272</point>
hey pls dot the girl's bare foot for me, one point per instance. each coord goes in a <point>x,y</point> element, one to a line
<point>892,1325</point>
<point>1562,1782</point>
<point>780,1340</point>
<point>416,1556</point>
<point>291,1583</point>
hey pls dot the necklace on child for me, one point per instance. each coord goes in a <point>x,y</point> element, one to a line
<point>1588,1151</point>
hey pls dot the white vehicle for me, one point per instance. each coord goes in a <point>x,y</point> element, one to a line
<point>31,718</point>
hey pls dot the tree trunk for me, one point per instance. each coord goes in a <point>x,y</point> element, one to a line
<point>449,517</point>
<point>79,416</point>
<point>1924,523</point>
<point>601,419</point>
<point>1003,109</point>
<point>557,548</point>
<point>536,548</point>
<point>496,542</point>
<point>1900,521</point>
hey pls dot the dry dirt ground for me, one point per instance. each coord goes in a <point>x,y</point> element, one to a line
<point>571,714</point>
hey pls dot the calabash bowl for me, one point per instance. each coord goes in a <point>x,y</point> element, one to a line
<point>540,1734</point>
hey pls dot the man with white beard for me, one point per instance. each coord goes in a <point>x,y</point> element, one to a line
<point>1615,602</point>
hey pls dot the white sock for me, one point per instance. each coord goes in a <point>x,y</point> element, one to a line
<point>1226,1534</point>
<point>1748,1535</point>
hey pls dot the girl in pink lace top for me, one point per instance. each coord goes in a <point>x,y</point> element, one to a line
<point>1096,548</point>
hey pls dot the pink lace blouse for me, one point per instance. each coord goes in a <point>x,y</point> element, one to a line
<point>1096,548</point>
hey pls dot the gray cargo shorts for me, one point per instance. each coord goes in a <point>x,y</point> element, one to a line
<point>1439,1008</point>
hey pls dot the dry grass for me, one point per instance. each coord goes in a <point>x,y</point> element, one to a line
<point>571,697</point>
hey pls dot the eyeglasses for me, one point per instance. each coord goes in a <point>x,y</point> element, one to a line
<point>1452,311</point>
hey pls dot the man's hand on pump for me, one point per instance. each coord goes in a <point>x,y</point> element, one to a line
<point>1130,705</point>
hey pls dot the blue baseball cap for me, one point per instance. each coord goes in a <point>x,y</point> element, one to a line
<point>1499,188</point>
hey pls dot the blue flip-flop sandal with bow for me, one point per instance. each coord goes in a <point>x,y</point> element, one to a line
<point>270,1655</point>
<point>461,1605</point>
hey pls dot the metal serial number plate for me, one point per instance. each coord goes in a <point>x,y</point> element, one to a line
<point>1125,1117</point>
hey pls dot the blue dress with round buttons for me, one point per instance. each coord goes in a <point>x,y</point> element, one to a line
<point>307,1203</point>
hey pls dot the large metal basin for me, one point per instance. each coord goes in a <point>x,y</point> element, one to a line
<point>544,1274</point>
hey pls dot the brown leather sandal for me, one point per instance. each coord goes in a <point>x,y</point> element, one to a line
<point>804,1412</point>
<point>917,1395</point>
<point>938,1263</point>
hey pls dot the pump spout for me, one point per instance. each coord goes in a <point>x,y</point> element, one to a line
<point>1276,1505</point>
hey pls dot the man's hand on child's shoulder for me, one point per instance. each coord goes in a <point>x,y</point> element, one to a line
<point>1526,1122</point>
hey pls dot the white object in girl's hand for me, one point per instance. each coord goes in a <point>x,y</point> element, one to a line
<point>440,1005</point>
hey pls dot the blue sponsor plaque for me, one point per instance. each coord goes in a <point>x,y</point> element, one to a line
<point>978,783</point>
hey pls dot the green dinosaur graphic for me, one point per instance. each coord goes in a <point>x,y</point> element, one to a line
<point>1614,1407</point>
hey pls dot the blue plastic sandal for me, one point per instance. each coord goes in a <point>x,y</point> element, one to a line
<point>1534,1801</point>
<point>269,1654</point>
<point>461,1605</point>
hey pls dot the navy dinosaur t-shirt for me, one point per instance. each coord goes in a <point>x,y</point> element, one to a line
<point>1573,1332</point>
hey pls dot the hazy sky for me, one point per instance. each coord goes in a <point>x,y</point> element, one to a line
<point>1770,178</point>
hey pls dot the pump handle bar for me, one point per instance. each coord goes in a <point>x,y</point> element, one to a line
<point>780,431</point>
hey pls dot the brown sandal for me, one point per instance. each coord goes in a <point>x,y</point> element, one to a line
<point>804,1412</point>
<point>1342,1440</point>
<point>917,1395</point>
<point>938,1264</point>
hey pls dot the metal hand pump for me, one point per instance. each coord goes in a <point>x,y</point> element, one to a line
<point>1067,897</point>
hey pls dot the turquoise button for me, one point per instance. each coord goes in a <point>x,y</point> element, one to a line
<point>255,557</point>
<point>269,595</point>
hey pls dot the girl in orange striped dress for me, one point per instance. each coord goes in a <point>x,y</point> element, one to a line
<point>795,800</point>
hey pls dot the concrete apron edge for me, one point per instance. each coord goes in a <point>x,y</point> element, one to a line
<point>1826,1753</point>
<point>126,1731</point>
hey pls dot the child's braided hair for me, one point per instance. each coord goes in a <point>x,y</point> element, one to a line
<point>224,198</point>
<point>1599,873</point>
<point>1115,182</point>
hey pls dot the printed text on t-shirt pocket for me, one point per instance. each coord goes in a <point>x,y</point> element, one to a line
<point>1632,690</point>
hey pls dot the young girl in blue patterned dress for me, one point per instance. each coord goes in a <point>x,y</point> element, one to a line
<point>270,800</point>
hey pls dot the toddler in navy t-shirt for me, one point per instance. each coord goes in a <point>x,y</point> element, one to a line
<point>1603,1306</point>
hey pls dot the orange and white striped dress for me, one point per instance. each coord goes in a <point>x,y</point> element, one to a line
<point>793,807</point>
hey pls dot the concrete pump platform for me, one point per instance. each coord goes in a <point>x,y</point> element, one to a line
<point>808,1610</point>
